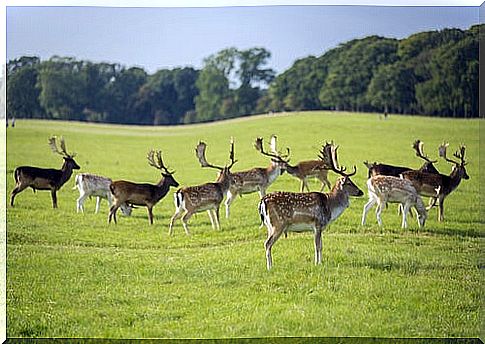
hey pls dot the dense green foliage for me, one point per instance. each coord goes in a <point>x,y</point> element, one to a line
<point>432,73</point>
<point>73,275</point>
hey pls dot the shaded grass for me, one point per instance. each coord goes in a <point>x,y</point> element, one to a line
<point>72,275</point>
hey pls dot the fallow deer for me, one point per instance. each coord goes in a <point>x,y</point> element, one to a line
<point>125,192</point>
<point>439,186</point>
<point>257,179</point>
<point>390,189</point>
<point>45,178</point>
<point>289,211</point>
<point>194,199</point>
<point>91,185</point>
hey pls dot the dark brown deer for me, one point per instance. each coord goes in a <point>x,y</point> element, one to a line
<point>45,178</point>
<point>391,170</point>
<point>289,211</point>
<point>194,199</point>
<point>125,192</point>
<point>257,179</point>
<point>439,186</point>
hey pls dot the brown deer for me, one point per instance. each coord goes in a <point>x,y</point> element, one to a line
<point>257,179</point>
<point>376,169</point>
<point>45,178</point>
<point>439,186</point>
<point>307,169</point>
<point>289,211</point>
<point>390,189</point>
<point>194,199</point>
<point>125,192</point>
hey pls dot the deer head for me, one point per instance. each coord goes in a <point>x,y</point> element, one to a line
<point>459,165</point>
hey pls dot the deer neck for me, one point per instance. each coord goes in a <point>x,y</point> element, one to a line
<point>66,173</point>
<point>224,181</point>
<point>273,171</point>
<point>338,201</point>
<point>163,186</point>
<point>293,170</point>
<point>455,178</point>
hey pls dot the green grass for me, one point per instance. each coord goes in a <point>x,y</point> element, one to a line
<point>72,275</point>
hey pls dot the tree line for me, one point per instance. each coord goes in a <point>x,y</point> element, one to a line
<point>432,73</point>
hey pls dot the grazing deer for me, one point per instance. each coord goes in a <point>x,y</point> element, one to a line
<point>45,178</point>
<point>258,178</point>
<point>390,189</point>
<point>91,185</point>
<point>147,195</point>
<point>289,211</point>
<point>376,169</point>
<point>194,199</point>
<point>439,186</point>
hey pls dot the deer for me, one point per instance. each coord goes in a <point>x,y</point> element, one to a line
<point>439,186</point>
<point>257,179</point>
<point>289,211</point>
<point>206,197</point>
<point>391,170</point>
<point>45,178</point>
<point>307,169</point>
<point>390,189</point>
<point>148,195</point>
<point>92,185</point>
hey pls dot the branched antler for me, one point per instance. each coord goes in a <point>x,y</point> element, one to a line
<point>200,153</point>
<point>158,164</point>
<point>328,154</point>
<point>258,144</point>
<point>418,147</point>
<point>63,151</point>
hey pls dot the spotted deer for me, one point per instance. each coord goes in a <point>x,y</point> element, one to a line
<point>289,211</point>
<point>390,189</point>
<point>439,186</point>
<point>125,192</point>
<point>206,197</point>
<point>308,169</point>
<point>257,179</point>
<point>45,178</point>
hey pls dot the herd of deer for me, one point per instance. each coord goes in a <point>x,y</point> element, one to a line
<point>279,211</point>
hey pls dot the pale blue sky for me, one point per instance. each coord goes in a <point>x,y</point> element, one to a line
<point>155,38</point>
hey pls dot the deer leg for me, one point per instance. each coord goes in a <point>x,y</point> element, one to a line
<point>150,214</point>
<point>216,217</point>
<point>230,198</point>
<point>405,211</point>
<point>178,213</point>
<point>318,246</point>
<point>367,207</point>
<point>80,203</point>
<point>185,218</point>
<point>98,202</point>
<point>112,213</point>
<point>380,206</point>
<point>262,193</point>
<point>303,183</point>
<point>432,203</point>
<point>268,244</point>
<point>19,188</point>
<point>441,210</point>
<point>209,211</point>
<point>54,198</point>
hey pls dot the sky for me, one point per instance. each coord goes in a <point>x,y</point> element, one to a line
<point>156,38</point>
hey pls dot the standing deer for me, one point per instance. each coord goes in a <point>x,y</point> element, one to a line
<point>258,178</point>
<point>289,211</point>
<point>45,178</point>
<point>194,199</point>
<point>439,186</point>
<point>376,169</point>
<point>125,192</point>
<point>307,169</point>
<point>390,189</point>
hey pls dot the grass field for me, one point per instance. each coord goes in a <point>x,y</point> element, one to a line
<point>73,275</point>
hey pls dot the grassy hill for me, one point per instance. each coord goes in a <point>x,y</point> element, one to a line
<point>73,275</point>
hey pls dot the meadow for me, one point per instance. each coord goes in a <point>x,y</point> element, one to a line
<point>73,275</point>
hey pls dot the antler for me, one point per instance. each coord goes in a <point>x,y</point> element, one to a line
<point>231,154</point>
<point>418,147</point>
<point>63,151</point>
<point>258,144</point>
<point>328,154</point>
<point>200,152</point>
<point>159,163</point>
<point>442,153</point>
<point>461,155</point>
